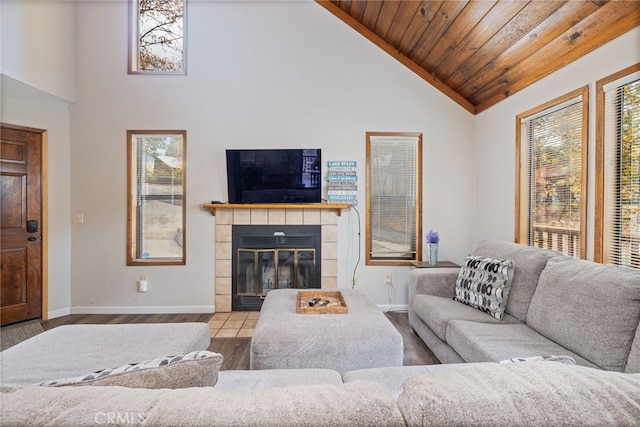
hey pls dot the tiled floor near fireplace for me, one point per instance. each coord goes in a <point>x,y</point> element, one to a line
<point>237,324</point>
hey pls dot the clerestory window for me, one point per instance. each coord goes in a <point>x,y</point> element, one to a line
<point>157,36</point>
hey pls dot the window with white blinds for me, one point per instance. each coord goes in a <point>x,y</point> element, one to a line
<point>618,146</point>
<point>552,187</point>
<point>394,206</point>
<point>156,195</point>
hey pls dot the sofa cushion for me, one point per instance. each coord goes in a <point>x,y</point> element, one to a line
<point>195,369</point>
<point>303,405</point>
<point>591,309</point>
<point>270,378</point>
<point>392,377</point>
<point>521,394</point>
<point>484,283</point>
<point>528,263</point>
<point>440,349</point>
<point>484,342</point>
<point>436,312</point>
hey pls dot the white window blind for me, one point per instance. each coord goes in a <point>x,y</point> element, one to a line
<point>553,154</point>
<point>622,172</point>
<point>393,197</point>
<point>156,209</point>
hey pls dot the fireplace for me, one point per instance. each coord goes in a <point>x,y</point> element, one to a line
<point>267,257</point>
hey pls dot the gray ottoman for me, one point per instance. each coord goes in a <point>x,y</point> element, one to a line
<point>74,350</point>
<point>361,338</point>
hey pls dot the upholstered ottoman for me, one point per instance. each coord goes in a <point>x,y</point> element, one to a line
<point>74,350</point>
<point>361,338</point>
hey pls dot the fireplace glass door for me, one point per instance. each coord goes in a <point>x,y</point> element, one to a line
<point>261,270</point>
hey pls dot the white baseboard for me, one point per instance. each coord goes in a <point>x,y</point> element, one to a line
<point>394,307</point>
<point>143,309</point>
<point>58,313</point>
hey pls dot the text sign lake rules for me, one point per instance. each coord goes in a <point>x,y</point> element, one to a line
<point>342,176</point>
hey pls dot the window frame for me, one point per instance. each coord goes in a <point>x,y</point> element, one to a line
<point>599,248</point>
<point>133,61</point>
<point>369,260</point>
<point>522,168</point>
<point>132,238</point>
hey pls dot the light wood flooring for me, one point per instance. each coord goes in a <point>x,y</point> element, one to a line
<point>231,333</point>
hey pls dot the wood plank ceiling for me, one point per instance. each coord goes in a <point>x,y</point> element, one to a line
<point>480,52</point>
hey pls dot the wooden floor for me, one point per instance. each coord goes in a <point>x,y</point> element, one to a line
<point>236,350</point>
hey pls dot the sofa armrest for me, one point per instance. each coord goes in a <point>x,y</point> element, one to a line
<point>439,282</point>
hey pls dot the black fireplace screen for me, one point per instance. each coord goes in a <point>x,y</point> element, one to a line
<point>267,257</point>
<point>261,270</point>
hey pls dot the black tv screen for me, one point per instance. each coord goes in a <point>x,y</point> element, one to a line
<point>274,176</point>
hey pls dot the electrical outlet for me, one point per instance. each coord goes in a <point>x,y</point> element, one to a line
<point>142,283</point>
<point>387,279</point>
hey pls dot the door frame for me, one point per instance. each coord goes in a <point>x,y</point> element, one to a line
<point>44,206</point>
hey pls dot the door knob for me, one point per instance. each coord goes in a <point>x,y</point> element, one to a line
<point>32,238</point>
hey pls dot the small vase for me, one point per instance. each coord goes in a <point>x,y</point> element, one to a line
<point>433,254</point>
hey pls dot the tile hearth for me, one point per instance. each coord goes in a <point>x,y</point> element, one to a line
<point>239,324</point>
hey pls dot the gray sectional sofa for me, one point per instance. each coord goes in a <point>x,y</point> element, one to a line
<point>556,306</point>
<point>475,394</point>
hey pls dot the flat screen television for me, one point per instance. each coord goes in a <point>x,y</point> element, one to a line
<point>274,176</point>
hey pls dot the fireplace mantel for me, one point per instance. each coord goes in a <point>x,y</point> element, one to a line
<point>214,206</point>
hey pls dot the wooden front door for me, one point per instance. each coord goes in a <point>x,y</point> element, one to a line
<point>21,224</point>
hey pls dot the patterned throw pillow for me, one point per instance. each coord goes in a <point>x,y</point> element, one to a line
<point>195,369</point>
<point>484,283</point>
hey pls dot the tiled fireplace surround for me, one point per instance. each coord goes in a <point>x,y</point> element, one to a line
<point>226,218</point>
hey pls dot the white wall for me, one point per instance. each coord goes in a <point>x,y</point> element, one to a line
<point>25,106</point>
<point>261,74</point>
<point>37,79</point>
<point>496,133</point>
<point>38,46</point>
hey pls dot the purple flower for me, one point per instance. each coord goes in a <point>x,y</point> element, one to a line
<point>433,236</point>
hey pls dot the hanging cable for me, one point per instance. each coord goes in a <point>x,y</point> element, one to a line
<point>392,298</point>
<point>353,276</point>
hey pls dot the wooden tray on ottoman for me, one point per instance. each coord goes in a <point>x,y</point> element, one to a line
<point>336,304</point>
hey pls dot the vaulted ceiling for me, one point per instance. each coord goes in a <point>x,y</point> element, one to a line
<point>480,52</point>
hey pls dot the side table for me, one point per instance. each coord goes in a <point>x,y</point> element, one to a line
<point>440,264</point>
